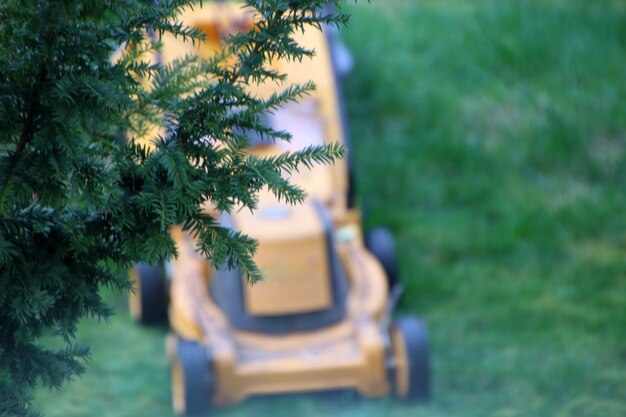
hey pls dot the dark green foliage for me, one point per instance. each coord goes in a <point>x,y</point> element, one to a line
<point>81,199</point>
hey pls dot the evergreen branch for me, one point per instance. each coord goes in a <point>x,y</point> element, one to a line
<point>26,135</point>
<point>87,189</point>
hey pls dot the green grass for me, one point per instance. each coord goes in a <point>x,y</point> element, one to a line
<point>490,136</point>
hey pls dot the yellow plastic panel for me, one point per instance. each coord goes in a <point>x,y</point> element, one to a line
<point>292,257</point>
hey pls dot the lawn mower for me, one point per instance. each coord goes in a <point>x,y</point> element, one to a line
<point>321,317</point>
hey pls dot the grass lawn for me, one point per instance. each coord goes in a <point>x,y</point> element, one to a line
<point>490,135</point>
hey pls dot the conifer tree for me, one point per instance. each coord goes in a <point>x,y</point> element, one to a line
<point>81,199</point>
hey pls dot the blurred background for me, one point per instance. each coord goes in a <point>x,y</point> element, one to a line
<point>490,136</point>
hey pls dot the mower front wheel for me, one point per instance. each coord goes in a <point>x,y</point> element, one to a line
<point>148,301</point>
<point>409,339</point>
<point>193,379</point>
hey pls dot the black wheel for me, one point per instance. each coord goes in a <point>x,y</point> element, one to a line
<point>148,303</point>
<point>409,338</point>
<point>192,378</point>
<point>380,242</point>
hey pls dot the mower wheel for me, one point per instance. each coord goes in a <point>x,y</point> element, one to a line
<point>193,380</point>
<point>409,338</point>
<point>380,242</point>
<point>148,302</point>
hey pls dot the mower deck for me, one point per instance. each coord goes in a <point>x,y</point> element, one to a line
<point>350,354</point>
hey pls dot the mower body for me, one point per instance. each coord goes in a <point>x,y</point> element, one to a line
<point>320,318</point>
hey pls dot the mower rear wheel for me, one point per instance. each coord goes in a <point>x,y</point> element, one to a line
<point>192,378</point>
<point>409,339</point>
<point>380,242</point>
<point>148,302</point>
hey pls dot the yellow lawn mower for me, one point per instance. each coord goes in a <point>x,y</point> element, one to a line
<point>321,317</point>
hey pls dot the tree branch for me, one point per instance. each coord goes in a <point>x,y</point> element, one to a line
<point>28,131</point>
